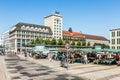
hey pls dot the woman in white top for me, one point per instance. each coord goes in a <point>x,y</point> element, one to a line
<point>85,59</point>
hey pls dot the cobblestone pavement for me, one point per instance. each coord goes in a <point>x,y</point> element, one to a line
<point>22,69</point>
<point>19,68</point>
<point>89,71</point>
<point>2,68</point>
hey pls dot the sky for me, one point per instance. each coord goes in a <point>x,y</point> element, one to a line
<point>94,17</point>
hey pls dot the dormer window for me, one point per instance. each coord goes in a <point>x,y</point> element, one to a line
<point>36,28</point>
<point>27,27</point>
<point>43,30</point>
<point>39,29</point>
<point>23,27</point>
<point>31,28</point>
<point>46,30</point>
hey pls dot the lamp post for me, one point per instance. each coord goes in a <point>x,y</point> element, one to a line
<point>67,46</point>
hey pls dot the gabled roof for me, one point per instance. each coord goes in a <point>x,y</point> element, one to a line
<point>72,34</point>
<point>89,36</point>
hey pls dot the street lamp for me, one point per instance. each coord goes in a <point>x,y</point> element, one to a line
<point>67,46</point>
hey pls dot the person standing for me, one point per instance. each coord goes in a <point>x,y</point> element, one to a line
<point>85,59</point>
<point>25,54</point>
<point>50,55</point>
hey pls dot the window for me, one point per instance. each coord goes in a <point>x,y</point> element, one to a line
<point>23,40</point>
<point>113,34</point>
<point>113,47</point>
<point>18,40</point>
<point>118,33</point>
<point>118,41</point>
<point>18,44</point>
<point>113,41</point>
<point>23,27</point>
<point>57,21</point>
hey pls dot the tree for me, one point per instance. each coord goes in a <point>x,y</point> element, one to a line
<point>32,41</point>
<point>37,40</point>
<point>88,44</point>
<point>79,43</point>
<point>70,29</point>
<point>73,42</point>
<point>53,42</point>
<point>41,40</point>
<point>60,42</point>
<point>83,43</point>
<point>66,41</point>
<point>47,41</point>
<point>102,45</point>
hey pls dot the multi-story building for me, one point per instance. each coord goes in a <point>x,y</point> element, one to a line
<point>92,39</point>
<point>1,40</point>
<point>72,36</point>
<point>54,21</point>
<point>6,40</point>
<point>23,33</point>
<point>96,39</point>
<point>115,38</point>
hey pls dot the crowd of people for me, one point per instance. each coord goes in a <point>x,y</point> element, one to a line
<point>85,58</point>
<point>76,56</point>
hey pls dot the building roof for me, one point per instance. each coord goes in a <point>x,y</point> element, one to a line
<point>95,37</point>
<point>87,36</point>
<point>20,24</point>
<point>58,15</point>
<point>115,29</point>
<point>72,34</point>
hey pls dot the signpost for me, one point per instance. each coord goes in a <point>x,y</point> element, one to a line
<point>67,46</point>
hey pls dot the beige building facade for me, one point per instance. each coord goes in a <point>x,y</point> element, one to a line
<point>95,39</point>
<point>115,38</point>
<point>22,33</point>
<point>54,21</point>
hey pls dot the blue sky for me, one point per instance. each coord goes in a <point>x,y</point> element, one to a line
<point>95,17</point>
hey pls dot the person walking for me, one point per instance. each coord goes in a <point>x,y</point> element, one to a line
<point>63,60</point>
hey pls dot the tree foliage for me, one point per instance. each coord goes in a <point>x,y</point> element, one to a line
<point>47,41</point>
<point>88,44</point>
<point>32,41</point>
<point>79,43</point>
<point>83,43</point>
<point>60,41</point>
<point>66,41</point>
<point>53,42</point>
<point>73,42</point>
<point>41,40</point>
<point>70,29</point>
<point>102,45</point>
<point>37,40</point>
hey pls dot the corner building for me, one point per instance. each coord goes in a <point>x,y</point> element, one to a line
<point>115,38</point>
<point>22,33</point>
